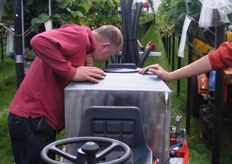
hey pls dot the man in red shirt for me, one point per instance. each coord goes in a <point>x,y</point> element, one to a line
<point>221,58</point>
<point>66,54</point>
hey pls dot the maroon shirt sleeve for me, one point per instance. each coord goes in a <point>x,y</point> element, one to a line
<point>222,57</point>
<point>63,49</point>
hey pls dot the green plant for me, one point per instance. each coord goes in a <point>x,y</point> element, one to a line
<point>171,14</point>
<point>145,17</point>
<point>92,13</point>
<point>68,11</point>
<point>165,26</point>
<point>62,11</point>
<point>102,13</point>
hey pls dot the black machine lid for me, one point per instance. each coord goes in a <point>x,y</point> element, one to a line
<point>121,68</point>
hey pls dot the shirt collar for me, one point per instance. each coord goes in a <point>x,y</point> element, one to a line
<point>91,39</point>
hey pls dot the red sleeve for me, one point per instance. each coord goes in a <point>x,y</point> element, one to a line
<point>49,53</point>
<point>222,57</point>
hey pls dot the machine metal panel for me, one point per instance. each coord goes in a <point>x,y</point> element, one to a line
<point>148,92</point>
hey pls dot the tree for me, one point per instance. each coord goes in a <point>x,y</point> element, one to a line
<point>63,11</point>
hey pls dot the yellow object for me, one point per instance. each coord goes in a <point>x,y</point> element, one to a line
<point>201,46</point>
<point>229,36</point>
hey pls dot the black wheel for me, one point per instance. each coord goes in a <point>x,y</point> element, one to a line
<point>206,124</point>
<point>196,99</point>
<point>98,148</point>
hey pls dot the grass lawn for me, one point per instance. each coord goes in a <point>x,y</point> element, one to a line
<point>8,87</point>
<point>199,152</point>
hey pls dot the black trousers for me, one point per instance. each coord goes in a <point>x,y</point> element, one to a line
<point>28,138</point>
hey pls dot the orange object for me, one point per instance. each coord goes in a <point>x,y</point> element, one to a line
<point>202,83</point>
<point>228,81</point>
<point>181,153</point>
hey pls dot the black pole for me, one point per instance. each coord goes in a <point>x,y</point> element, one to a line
<point>2,47</point>
<point>166,48</point>
<point>18,19</point>
<point>218,106</point>
<point>169,50</point>
<point>189,89</point>
<point>164,42</point>
<point>178,66</point>
<point>173,51</point>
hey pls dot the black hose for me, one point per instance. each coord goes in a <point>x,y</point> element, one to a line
<point>135,28</point>
<point>124,31</point>
<point>144,56</point>
<point>131,51</point>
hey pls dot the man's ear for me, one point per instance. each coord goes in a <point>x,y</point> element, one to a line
<point>106,45</point>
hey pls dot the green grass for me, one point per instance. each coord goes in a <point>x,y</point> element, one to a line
<point>8,86</point>
<point>199,152</point>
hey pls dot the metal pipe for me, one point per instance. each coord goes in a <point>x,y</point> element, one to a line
<point>49,8</point>
<point>18,22</point>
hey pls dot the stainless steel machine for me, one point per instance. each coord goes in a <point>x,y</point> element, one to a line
<point>147,92</point>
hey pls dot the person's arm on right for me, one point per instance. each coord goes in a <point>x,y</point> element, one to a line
<point>218,59</point>
<point>200,66</point>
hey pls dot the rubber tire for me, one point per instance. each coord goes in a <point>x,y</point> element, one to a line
<point>206,123</point>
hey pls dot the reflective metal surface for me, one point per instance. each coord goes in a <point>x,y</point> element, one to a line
<point>150,94</point>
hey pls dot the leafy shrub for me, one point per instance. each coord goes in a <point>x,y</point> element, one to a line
<point>171,14</point>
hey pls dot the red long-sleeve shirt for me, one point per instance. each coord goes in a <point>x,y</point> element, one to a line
<point>59,52</point>
<point>222,57</point>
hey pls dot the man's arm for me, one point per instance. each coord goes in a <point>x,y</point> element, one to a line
<point>50,54</point>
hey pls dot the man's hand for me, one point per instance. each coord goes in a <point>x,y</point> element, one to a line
<point>92,74</point>
<point>89,60</point>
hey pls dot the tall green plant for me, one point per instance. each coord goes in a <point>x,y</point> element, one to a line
<point>170,14</point>
<point>63,11</point>
<point>102,13</point>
